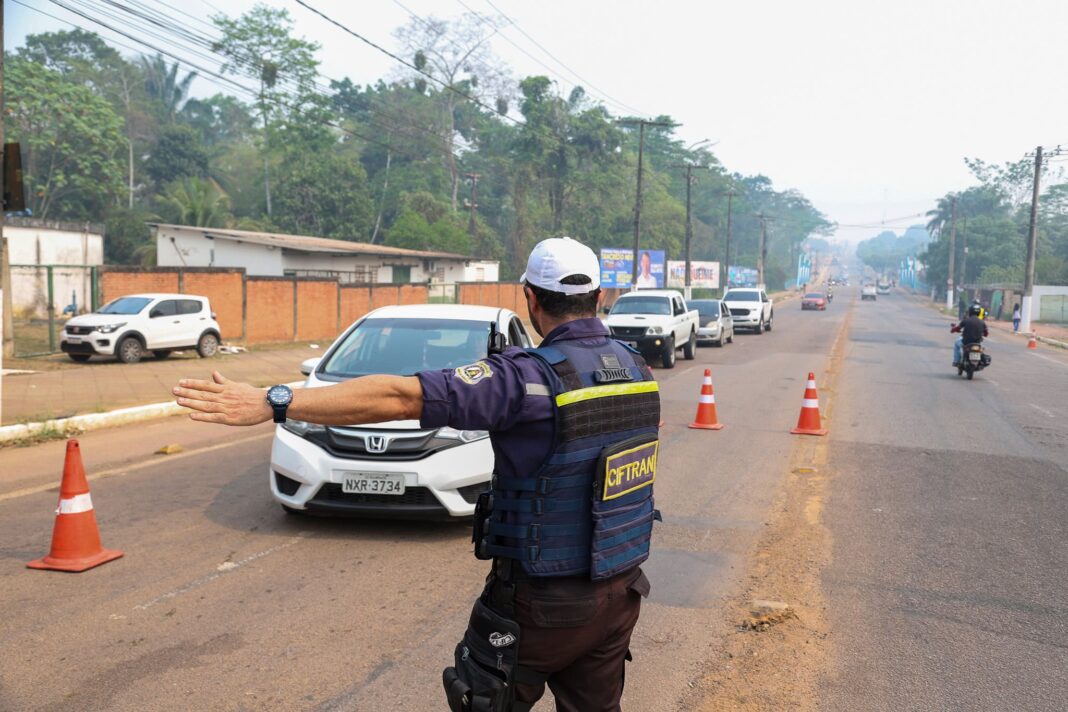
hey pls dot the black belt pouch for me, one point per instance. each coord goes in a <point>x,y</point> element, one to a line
<point>486,659</point>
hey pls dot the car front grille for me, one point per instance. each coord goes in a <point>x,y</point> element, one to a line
<point>70,348</point>
<point>80,330</point>
<point>470,493</point>
<point>628,331</point>
<point>739,312</point>
<point>400,445</point>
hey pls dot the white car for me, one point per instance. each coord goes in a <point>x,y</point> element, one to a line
<point>129,326</point>
<point>657,322</point>
<point>395,469</point>
<point>717,326</point>
<point>867,292</point>
<point>751,308</point>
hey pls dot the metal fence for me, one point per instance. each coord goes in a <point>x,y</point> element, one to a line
<point>42,296</point>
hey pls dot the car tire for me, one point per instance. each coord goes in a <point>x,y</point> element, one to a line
<point>208,345</point>
<point>689,351</point>
<point>731,339</point>
<point>667,354</point>
<point>160,354</point>
<point>293,512</point>
<point>759,328</point>
<point>718,343</point>
<point>771,320</point>
<point>129,350</point>
<point>79,358</point>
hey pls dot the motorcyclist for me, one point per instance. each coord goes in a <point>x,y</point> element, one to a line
<point>972,329</point>
<point>976,304</point>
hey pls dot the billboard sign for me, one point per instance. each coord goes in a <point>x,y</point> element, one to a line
<point>742,277</point>
<point>617,265</point>
<point>703,275</point>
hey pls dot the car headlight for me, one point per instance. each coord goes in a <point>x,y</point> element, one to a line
<point>301,428</point>
<point>654,330</point>
<point>109,328</point>
<point>466,436</point>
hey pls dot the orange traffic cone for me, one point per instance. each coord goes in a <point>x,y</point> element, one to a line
<point>1032,343</point>
<point>75,538</point>
<point>809,422</point>
<point>706,406</point>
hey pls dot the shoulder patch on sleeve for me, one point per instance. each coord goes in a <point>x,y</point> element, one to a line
<point>475,372</point>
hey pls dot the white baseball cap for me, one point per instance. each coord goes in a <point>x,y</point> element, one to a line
<point>554,259</point>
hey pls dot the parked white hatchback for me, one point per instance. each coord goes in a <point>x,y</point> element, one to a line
<point>129,326</point>
<point>395,469</point>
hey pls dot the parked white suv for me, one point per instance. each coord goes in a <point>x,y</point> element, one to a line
<point>129,326</point>
<point>751,308</point>
<point>396,469</point>
<point>657,322</point>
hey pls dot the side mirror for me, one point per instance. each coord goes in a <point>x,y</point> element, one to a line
<point>155,313</point>
<point>606,309</point>
<point>308,365</point>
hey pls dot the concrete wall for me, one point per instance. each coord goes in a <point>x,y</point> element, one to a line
<point>34,242</point>
<point>182,248</point>
<point>1051,304</point>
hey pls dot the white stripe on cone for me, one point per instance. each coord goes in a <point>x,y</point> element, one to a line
<point>706,399</point>
<point>75,505</point>
<point>810,403</point>
<point>811,384</point>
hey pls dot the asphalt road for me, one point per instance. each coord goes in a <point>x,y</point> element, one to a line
<point>948,588</point>
<point>224,602</point>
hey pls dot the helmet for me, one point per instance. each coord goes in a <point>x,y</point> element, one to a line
<point>974,310</point>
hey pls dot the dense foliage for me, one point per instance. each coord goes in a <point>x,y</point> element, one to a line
<point>117,140</point>
<point>992,222</point>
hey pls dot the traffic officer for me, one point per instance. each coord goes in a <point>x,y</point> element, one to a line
<point>569,515</point>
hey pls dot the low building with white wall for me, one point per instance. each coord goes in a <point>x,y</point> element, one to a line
<point>71,249</point>
<point>279,255</point>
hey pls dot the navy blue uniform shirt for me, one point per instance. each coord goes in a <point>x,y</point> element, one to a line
<point>506,394</point>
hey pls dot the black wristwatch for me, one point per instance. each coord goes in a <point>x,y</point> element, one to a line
<point>279,397</point>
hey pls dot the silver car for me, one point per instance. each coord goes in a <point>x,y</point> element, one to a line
<point>715,323</point>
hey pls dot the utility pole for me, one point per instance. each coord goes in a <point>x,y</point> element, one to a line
<point>473,177</point>
<point>950,294</point>
<point>642,123</point>
<point>690,180</point>
<point>762,253</point>
<point>7,324</point>
<point>1032,241</point>
<point>727,250</point>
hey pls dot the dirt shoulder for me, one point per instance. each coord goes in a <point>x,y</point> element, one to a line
<point>774,634</point>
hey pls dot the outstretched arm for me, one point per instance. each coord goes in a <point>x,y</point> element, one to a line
<point>370,399</point>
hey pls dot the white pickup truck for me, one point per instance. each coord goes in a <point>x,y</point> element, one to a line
<point>657,323</point>
<point>751,308</point>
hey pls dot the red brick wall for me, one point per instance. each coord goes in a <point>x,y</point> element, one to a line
<point>223,290</point>
<point>316,310</point>
<point>504,295</point>
<point>115,284</point>
<point>270,309</point>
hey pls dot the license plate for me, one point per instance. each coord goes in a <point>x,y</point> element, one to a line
<point>974,356</point>
<point>372,483</point>
<point>74,339</point>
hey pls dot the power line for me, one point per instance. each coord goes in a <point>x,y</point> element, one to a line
<point>584,81</point>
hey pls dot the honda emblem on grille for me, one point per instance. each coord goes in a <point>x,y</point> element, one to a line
<point>376,443</point>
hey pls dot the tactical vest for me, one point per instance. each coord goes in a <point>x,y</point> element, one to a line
<point>588,508</point>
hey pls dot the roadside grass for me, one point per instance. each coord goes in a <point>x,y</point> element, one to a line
<point>45,434</point>
<point>31,336</point>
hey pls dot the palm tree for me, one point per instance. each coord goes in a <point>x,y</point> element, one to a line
<point>941,215</point>
<point>196,201</point>
<point>162,83</point>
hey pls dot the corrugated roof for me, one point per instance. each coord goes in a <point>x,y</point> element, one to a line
<point>305,243</point>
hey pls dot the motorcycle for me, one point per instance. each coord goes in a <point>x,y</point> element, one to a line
<point>974,359</point>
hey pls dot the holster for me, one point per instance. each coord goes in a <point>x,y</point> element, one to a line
<point>486,660</point>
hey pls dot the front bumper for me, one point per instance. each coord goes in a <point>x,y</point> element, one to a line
<point>709,333</point>
<point>443,485</point>
<point>746,321</point>
<point>92,344</point>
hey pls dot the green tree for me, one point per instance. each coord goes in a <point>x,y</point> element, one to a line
<point>178,154</point>
<point>324,194</point>
<point>195,201</point>
<point>163,84</point>
<point>70,139</point>
<point>126,234</point>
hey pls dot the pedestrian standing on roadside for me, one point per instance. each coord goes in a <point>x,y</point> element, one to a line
<point>568,518</point>
<point>1016,318</point>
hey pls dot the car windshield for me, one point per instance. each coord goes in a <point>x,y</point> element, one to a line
<point>124,305</point>
<point>642,305</point>
<point>813,295</point>
<point>403,347</point>
<point>706,309</point>
<point>742,295</point>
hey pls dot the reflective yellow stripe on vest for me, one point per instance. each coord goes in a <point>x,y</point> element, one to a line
<point>615,389</point>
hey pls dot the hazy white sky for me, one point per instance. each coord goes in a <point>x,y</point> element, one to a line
<point>868,108</point>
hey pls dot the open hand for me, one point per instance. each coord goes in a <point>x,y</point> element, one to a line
<point>221,400</point>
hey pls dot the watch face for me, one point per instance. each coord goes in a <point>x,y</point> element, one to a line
<point>279,395</point>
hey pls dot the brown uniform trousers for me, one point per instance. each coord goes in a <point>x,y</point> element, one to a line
<point>577,632</point>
